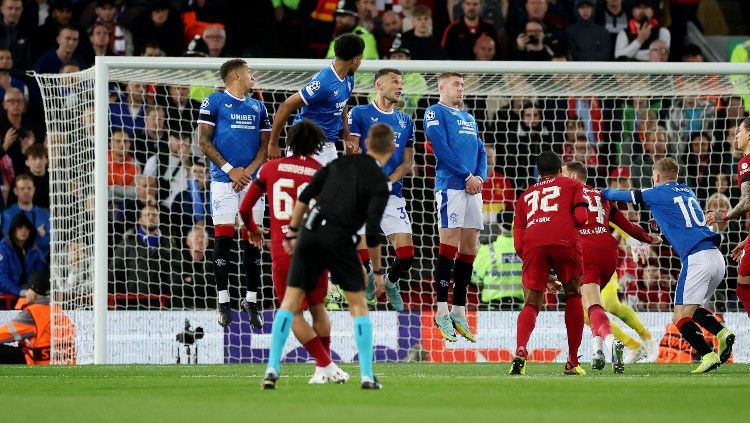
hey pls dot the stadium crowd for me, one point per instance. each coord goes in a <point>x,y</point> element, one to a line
<point>160,226</point>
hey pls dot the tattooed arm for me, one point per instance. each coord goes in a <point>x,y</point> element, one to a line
<point>206,142</point>
<point>740,209</point>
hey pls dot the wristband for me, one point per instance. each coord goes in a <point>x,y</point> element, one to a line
<point>227,167</point>
<point>289,238</point>
<point>726,216</point>
<point>293,228</point>
<point>380,272</point>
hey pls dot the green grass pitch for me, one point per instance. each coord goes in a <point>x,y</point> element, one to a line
<point>412,393</point>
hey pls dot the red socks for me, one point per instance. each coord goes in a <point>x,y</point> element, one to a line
<point>524,327</point>
<point>403,253</point>
<point>743,293</point>
<point>318,351</point>
<point>326,340</point>
<point>574,325</point>
<point>599,321</point>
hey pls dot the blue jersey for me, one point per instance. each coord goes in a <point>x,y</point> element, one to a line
<point>458,150</point>
<point>237,126</point>
<point>678,214</point>
<point>325,97</point>
<point>360,120</point>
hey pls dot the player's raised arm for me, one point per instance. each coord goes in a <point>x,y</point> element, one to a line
<point>291,104</point>
<point>742,207</point>
<point>623,195</point>
<point>619,219</point>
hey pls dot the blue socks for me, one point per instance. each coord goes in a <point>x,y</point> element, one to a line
<point>282,324</point>
<point>363,337</point>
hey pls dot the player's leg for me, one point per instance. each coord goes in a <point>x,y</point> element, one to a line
<point>252,267</point>
<point>224,213</point>
<point>706,318</point>
<point>371,291</point>
<point>692,287</point>
<point>282,324</point>
<point>612,304</point>
<point>743,281</point>
<point>593,274</point>
<point>396,226</point>
<point>467,251</point>
<point>525,326</point>
<point>449,238</point>
<point>567,263</point>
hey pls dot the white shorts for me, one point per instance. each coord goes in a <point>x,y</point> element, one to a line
<point>701,273</point>
<point>225,203</point>
<point>327,154</point>
<point>395,219</point>
<point>457,209</point>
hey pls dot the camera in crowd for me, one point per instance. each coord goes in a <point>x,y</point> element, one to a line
<point>187,338</point>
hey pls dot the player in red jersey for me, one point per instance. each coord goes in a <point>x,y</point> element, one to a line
<point>545,232</point>
<point>740,253</point>
<point>281,180</point>
<point>600,252</point>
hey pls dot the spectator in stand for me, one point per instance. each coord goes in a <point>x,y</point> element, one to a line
<point>658,52</point>
<point>14,36</point>
<point>196,290</point>
<point>123,169</point>
<point>728,116</point>
<point>18,130</point>
<point>39,217</point>
<point>149,140</point>
<point>153,49</point>
<point>346,23</point>
<point>98,45</point>
<point>8,81</point>
<point>390,27</point>
<point>654,292</point>
<point>586,40</point>
<point>655,146</point>
<point>461,35</point>
<point>525,140</point>
<point>53,60</point>
<point>143,259</point>
<point>407,14</point>
<point>643,29</point>
<point>687,116</point>
<point>581,150</point>
<point>36,163</point>
<point>20,256</point>
<point>215,38</point>
<point>160,23</point>
<point>170,172</point>
<point>43,38</point>
<point>182,111</point>
<point>129,113</point>
<point>681,12</point>
<point>552,15</point>
<point>699,166</point>
<point>498,194</point>
<point>198,195</point>
<point>484,48</point>
<point>122,40</point>
<point>531,44</point>
<point>420,41</point>
<point>692,53</point>
<point>614,17</point>
<point>367,11</point>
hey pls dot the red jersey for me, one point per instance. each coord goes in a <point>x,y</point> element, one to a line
<point>281,180</point>
<point>743,170</point>
<point>595,234</point>
<point>549,213</point>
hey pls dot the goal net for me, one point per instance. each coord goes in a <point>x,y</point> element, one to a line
<point>132,234</point>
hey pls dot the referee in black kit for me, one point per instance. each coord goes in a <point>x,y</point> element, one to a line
<point>352,190</point>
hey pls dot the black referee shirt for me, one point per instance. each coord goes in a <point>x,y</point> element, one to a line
<point>352,190</point>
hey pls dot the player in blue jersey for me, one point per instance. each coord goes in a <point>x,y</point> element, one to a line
<point>233,130</point>
<point>395,224</point>
<point>323,100</point>
<point>459,173</point>
<point>679,216</point>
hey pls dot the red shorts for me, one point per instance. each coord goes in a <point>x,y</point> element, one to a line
<point>598,266</point>
<point>743,268</point>
<point>537,263</point>
<point>280,268</point>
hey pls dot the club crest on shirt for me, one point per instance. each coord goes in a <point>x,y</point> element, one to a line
<point>256,108</point>
<point>335,92</point>
<point>402,123</point>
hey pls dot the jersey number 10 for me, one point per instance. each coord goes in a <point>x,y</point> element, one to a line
<point>693,215</point>
<point>283,203</point>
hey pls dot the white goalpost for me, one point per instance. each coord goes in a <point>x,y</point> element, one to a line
<point>131,286</point>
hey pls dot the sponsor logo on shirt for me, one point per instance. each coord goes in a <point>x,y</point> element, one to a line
<point>228,105</point>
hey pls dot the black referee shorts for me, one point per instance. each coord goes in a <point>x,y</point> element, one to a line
<point>326,249</point>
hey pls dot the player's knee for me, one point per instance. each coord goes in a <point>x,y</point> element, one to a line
<point>534,298</point>
<point>572,287</point>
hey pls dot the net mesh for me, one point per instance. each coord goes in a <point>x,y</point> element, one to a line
<point>161,284</point>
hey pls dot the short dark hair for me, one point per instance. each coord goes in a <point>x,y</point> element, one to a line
<point>548,163</point>
<point>348,46</point>
<point>386,71</point>
<point>421,10</point>
<point>69,28</point>
<point>381,138</point>
<point>746,122</point>
<point>23,177</point>
<point>579,168</point>
<point>36,150</point>
<point>229,66</point>
<point>305,138</point>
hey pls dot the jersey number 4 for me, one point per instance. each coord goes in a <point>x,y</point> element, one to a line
<point>283,202</point>
<point>595,205</point>
<point>537,200</point>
